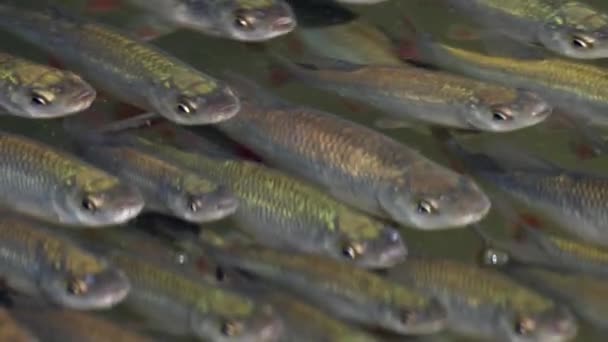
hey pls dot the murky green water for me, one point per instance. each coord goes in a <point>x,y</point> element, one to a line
<point>214,55</point>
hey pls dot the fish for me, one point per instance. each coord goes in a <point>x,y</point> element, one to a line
<point>353,163</point>
<point>37,91</point>
<point>283,212</point>
<point>572,87</point>
<point>52,185</point>
<point>410,93</point>
<point>576,200</point>
<point>38,260</point>
<point>166,188</point>
<point>584,294</point>
<point>12,331</point>
<point>63,325</point>
<point>241,20</point>
<point>183,306</point>
<point>572,29</point>
<point>484,303</point>
<point>340,289</point>
<point>129,70</point>
<point>356,41</point>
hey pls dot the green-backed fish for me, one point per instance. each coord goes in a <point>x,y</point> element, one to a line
<point>283,212</point>
<point>62,325</point>
<point>38,91</point>
<point>586,295</point>
<point>242,20</point>
<point>573,87</point>
<point>52,185</point>
<point>340,289</point>
<point>36,259</point>
<point>166,188</point>
<point>577,201</point>
<point>484,303</point>
<point>181,305</point>
<point>12,331</point>
<point>574,29</point>
<point>131,71</point>
<point>410,93</point>
<point>355,164</point>
<point>356,41</point>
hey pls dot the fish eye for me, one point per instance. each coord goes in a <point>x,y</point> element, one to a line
<point>185,107</point>
<point>425,207</point>
<point>220,275</point>
<point>406,316</point>
<point>583,43</point>
<point>492,257</point>
<point>352,250</point>
<point>525,326</point>
<point>89,204</point>
<point>181,258</point>
<point>38,99</point>
<point>501,115</point>
<point>194,205</point>
<point>241,20</point>
<point>231,328</point>
<point>77,286</point>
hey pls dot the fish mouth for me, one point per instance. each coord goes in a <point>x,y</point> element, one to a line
<point>283,24</point>
<point>83,99</point>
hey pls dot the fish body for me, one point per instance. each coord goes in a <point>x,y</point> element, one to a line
<point>572,29</point>
<point>12,331</point>
<point>434,97</point>
<point>61,325</point>
<point>36,260</point>
<point>242,20</point>
<point>37,91</point>
<point>355,41</point>
<point>572,87</point>
<point>344,291</point>
<point>584,294</point>
<point>166,188</point>
<point>55,186</point>
<point>485,303</point>
<point>357,165</point>
<point>283,212</point>
<point>576,200</point>
<point>182,305</point>
<point>131,71</point>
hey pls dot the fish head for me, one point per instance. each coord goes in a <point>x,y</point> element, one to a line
<point>580,41</point>
<point>98,203</point>
<point>505,110</point>
<point>261,324</point>
<point>87,291</point>
<point>429,318</point>
<point>186,104</point>
<point>555,325</point>
<point>436,199</point>
<point>375,245</point>
<point>257,20</point>
<point>54,94</point>
<point>199,204</point>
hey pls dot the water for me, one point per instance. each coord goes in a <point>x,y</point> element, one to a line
<point>214,55</point>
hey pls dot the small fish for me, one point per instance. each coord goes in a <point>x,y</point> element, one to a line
<point>577,201</point>
<point>181,305</point>
<point>62,325</point>
<point>166,187</point>
<point>434,97</point>
<point>36,260</point>
<point>484,303</point>
<point>283,212</point>
<point>356,41</point>
<point>572,87</point>
<point>12,331</point>
<point>584,294</point>
<point>544,249</point>
<point>573,29</point>
<point>356,165</point>
<point>57,187</point>
<point>242,20</point>
<point>131,71</point>
<point>37,91</point>
<point>344,291</point>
